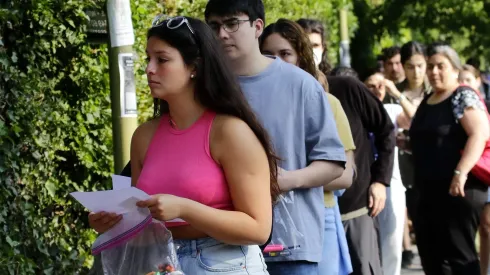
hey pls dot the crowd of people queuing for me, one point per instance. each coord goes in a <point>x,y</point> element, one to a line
<point>278,163</point>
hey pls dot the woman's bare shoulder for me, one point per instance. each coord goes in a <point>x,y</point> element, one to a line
<point>229,132</point>
<point>147,128</point>
<point>226,125</point>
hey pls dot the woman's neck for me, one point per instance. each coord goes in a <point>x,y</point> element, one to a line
<point>448,89</point>
<point>415,88</point>
<point>440,95</point>
<point>184,110</point>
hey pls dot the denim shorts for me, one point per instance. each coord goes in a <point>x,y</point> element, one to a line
<point>209,256</point>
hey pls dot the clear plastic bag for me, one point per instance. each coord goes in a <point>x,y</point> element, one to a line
<point>286,236</point>
<point>144,248</point>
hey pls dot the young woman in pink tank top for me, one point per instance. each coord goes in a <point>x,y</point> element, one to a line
<point>204,158</point>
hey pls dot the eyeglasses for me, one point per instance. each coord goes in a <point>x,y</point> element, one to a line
<point>231,25</point>
<point>171,22</point>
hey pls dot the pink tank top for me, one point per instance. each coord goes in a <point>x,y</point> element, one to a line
<point>179,162</point>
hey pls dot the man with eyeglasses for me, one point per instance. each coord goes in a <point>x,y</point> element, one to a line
<point>294,109</point>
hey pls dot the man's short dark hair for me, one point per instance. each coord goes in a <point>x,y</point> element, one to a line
<point>344,71</point>
<point>253,8</point>
<point>474,61</point>
<point>389,53</point>
<point>371,71</point>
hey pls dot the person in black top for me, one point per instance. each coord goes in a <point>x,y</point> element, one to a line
<point>365,199</point>
<point>344,71</point>
<point>450,198</point>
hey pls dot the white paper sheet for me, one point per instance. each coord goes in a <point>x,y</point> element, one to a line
<point>112,201</point>
<point>120,182</point>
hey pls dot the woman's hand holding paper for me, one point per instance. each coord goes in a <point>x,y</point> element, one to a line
<point>103,221</point>
<point>163,207</point>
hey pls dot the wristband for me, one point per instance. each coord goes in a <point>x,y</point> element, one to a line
<point>457,172</point>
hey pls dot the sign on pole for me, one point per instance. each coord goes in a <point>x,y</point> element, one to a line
<point>97,26</point>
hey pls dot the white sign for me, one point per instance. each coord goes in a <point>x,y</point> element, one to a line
<point>120,23</point>
<point>127,86</point>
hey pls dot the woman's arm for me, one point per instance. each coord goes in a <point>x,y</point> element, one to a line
<point>408,108</point>
<point>139,145</point>
<point>245,164</point>
<point>103,221</point>
<point>403,122</point>
<point>135,159</point>
<point>476,125</point>
<point>345,181</point>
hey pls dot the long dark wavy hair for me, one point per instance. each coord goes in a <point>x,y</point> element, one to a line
<point>298,39</point>
<point>216,88</point>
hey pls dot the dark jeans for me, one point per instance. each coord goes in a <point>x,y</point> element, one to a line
<point>446,227</point>
<point>292,268</point>
<point>411,201</point>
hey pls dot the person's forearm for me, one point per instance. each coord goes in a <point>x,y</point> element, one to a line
<point>407,106</point>
<point>314,175</point>
<point>344,181</point>
<point>230,227</point>
<point>472,152</point>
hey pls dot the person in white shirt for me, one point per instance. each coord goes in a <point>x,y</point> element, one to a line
<point>392,219</point>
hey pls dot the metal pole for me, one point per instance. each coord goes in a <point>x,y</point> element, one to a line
<point>344,53</point>
<point>122,80</point>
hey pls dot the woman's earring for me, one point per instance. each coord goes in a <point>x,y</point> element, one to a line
<point>192,76</point>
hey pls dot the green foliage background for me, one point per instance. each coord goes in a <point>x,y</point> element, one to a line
<point>55,117</point>
<point>465,25</point>
<point>55,135</point>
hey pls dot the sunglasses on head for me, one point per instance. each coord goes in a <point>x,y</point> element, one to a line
<point>171,22</point>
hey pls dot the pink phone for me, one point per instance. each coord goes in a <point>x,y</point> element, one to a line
<point>273,248</point>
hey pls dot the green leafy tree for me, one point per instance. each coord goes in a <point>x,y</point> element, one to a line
<point>384,23</point>
<point>55,134</point>
<point>464,26</point>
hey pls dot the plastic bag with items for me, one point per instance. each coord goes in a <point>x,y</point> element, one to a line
<point>286,236</point>
<point>138,245</point>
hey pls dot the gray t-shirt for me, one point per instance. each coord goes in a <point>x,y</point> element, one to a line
<point>295,111</point>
